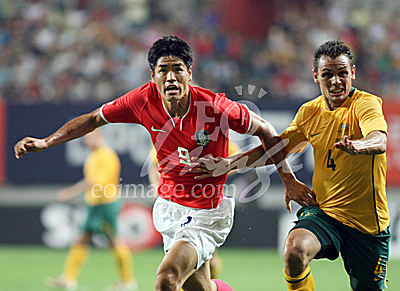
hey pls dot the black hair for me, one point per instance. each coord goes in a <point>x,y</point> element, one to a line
<point>170,46</point>
<point>332,49</point>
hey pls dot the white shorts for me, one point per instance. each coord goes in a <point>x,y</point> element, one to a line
<point>205,229</point>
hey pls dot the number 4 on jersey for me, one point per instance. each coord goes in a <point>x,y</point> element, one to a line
<point>330,163</point>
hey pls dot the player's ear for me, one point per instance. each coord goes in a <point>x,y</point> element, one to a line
<point>152,76</point>
<point>190,73</point>
<point>315,75</point>
<point>353,72</point>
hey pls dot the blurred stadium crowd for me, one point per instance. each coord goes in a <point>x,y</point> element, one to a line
<point>77,51</point>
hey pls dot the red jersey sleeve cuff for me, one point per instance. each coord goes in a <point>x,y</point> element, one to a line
<point>102,114</point>
<point>250,119</point>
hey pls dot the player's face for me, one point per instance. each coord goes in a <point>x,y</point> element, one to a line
<point>335,78</point>
<point>172,78</point>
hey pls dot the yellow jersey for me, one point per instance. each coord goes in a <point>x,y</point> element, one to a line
<point>102,169</point>
<point>351,189</point>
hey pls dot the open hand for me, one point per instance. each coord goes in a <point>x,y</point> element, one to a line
<point>299,193</point>
<point>347,145</point>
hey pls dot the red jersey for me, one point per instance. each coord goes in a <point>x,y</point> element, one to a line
<point>203,130</point>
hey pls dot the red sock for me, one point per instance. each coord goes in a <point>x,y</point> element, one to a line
<point>222,286</point>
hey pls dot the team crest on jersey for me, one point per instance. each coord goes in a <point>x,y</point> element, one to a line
<point>343,130</point>
<point>202,137</point>
<point>305,214</point>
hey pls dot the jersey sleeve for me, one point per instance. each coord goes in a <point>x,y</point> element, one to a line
<point>295,137</point>
<point>370,115</point>
<point>127,108</point>
<point>235,115</point>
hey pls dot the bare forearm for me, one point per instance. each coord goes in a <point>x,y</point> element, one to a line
<point>275,151</point>
<point>74,190</point>
<point>270,140</point>
<point>372,144</point>
<point>73,129</point>
<point>285,171</point>
<point>253,158</point>
<point>271,150</point>
<point>79,187</point>
<point>69,131</point>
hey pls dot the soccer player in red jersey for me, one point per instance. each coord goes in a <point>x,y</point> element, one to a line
<point>185,123</point>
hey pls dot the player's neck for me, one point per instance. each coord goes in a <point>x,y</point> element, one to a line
<point>177,108</point>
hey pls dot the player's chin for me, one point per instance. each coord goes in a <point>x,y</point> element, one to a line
<point>338,100</point>
<point>173,96</point>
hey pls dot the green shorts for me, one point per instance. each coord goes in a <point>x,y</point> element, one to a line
<point>365,256</point>
<point>102,219</point>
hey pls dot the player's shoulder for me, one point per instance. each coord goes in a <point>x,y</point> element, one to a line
<point>365,100</point>
<point>141,94</point>
<point>312,105</point>
<point>360,95</point>
<point>212,102</point>
<point>309,109</point>
<point>204,94</point>
<point>145,92</point>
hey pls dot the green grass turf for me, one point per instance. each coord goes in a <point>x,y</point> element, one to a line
<point>23,269</point>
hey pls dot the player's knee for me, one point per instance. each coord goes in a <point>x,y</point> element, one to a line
<point>167,280</point>
<point>295,253</point>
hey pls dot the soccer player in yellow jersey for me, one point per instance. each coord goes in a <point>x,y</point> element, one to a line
<point>348,133</point>
<point>100,182</point>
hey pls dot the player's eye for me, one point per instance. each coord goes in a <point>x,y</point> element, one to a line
<point>327,75</point>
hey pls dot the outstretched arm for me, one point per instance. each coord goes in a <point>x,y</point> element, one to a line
<point>209,166</point>
<point>74,190</point>
<point>372,144</point>
<point>275,150</point>
<point>73,129</point>
<point>271,151</point>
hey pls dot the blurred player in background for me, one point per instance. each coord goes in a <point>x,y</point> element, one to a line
<point>185,122</point>
<point>348,132</point>
<point>100,185</point>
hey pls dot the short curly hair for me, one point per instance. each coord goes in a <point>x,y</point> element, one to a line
<point>333,49</point>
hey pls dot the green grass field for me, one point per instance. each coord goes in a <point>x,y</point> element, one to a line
<point>23,269</point>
